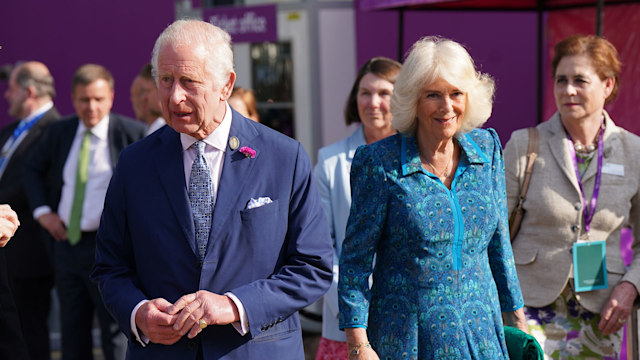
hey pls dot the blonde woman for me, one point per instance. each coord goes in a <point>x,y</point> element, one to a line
<point>430,204</point>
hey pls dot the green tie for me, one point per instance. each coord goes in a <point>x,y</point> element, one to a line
<point>73,232</point>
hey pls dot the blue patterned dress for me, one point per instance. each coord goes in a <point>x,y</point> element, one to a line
<point>444,269</point>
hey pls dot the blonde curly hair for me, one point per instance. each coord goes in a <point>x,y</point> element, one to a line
<point>429,59</point>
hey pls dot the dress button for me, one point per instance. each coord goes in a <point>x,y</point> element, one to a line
<point>575,227</point>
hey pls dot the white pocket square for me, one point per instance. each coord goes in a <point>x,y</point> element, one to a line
<point>261,201</point>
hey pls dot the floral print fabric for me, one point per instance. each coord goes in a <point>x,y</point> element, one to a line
<point>444,268</point>
<point>566,330</point>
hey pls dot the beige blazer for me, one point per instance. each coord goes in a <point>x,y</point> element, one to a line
<point>553,220</point>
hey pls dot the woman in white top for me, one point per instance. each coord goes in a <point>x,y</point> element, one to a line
<point>369,105</point>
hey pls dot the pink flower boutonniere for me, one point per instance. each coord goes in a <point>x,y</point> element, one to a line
<point>248,152</point>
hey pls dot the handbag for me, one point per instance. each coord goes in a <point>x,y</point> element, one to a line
<point>518,213</point>
<point>522,346</point>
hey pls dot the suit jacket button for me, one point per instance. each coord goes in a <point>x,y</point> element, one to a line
<point>575,227</point>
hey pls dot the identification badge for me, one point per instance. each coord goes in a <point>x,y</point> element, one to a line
<point>590,266</point>
<point>613,169</point>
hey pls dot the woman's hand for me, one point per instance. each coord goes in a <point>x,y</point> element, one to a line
<point>357,338</point>
<point>516,319</point>
<point>618,308</point>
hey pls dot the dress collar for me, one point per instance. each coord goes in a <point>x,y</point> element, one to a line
<point>410,158</point>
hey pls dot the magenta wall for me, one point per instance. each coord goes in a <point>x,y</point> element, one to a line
<point>502,44</point>
<point>64,34</point>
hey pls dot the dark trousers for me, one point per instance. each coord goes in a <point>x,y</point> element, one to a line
<point>79,299</point>
<point>12,345</point>
<point>33,300</point>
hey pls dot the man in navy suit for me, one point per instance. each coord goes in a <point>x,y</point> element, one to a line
<point>234,292</point>
<point>30,96</point>
<point>66,178</point>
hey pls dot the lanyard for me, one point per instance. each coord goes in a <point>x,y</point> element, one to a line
<point>588,210</point>
<point>25,126</point>
<point>22,127</point>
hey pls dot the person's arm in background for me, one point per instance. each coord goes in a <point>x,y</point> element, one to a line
<point>321,174</point>
<point>36,170</point>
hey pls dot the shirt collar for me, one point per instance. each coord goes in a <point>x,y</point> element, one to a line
<point>101,130</point>
<point>410,158</point>
<point>217,139</point>
<point>356,139</point>
<point>46,107</point>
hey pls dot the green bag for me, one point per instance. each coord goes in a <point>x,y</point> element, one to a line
<point>522,346</point>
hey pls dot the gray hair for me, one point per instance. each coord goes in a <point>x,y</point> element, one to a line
<point>212,41</point>
<point>429,59</point>
<point>36,75</point>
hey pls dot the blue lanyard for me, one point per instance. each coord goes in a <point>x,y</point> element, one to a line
<point>25,126</point>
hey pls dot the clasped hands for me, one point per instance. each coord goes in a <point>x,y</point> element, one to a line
<point>8,224</point>
<point>165,323</point>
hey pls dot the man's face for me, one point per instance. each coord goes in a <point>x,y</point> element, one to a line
<point>138,98</point>
<point>16,97</point>
<point>150,91</point>
<point>191,103</point>
<point>92,102</point>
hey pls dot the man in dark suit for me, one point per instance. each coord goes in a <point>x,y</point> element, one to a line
<point>213,235</point>
<point>66,178</point>
<point>12,345</point>
<point>30,95</point>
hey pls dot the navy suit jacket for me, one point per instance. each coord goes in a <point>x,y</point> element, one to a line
<point>43,170</point>
<point>276,258</point>
<point>29,251</point>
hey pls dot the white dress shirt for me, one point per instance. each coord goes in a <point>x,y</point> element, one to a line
<point>10,146</point>
<point>216,144</point>
<point>157,124</point>
<point>99,175</point>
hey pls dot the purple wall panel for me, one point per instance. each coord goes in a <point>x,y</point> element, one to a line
<point>376,35</point>
<point>118,34</point>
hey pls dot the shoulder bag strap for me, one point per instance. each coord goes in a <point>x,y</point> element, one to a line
<point>518,213</point>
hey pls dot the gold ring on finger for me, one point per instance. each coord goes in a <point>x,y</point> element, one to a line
<point>202,323</point>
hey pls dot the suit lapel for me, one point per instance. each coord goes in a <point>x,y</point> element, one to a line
<point>114,137</point>
<point>236,172</point>
<point>557,146</point>
<point>169,163</point>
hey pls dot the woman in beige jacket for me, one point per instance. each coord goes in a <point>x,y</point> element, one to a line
<point>585,187</point>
